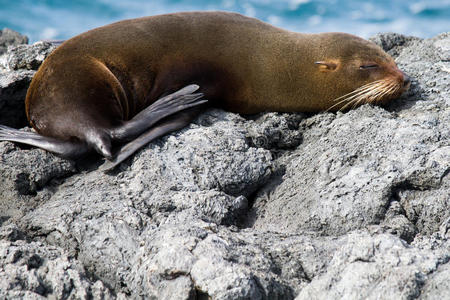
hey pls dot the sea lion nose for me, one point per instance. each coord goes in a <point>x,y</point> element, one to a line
<point>406,80</point>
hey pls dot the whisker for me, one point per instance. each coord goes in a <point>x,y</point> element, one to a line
<point>356,93</point>
<point>359,100</point>
<point>370,93</point>
<point>390,88</point>
<point>357,103</point>
<point>394,88</point>
<point>358,89</point>
<point>342,101</point>
<point>354,101</point>
<point>377,93</point>
<point>346,105</point>
<point>366,93</point>
<point>348,95</point>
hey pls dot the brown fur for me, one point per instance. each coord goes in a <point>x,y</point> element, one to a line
<point>107,75</point>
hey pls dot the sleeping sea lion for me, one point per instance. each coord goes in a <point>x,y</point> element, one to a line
<point>135,80</point>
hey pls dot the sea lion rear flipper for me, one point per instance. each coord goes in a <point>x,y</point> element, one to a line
<point>172,123</point>
<point>163,107</point>
<point>66,149</point>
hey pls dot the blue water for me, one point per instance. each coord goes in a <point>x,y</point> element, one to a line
<point>62,19</point>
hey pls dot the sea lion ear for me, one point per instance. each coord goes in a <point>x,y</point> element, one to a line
<point>326,65</point>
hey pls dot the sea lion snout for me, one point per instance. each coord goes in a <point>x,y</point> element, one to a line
<point>403,80</point>
<point>406,81</point>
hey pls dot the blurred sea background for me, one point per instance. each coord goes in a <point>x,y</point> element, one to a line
<point>62,19</point>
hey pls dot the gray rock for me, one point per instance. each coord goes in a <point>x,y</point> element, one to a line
<point>37,271</point>
<point>273,206</point>
<point>17,68</point>
<point>28,57</point>
<point>9,37</point>
<point>442,45</point>
<point>392,42</point>
<point>13,89</point>
<point>437,285</point>
<point>275,131</point>
<point>24,173</point>
<point>354,171</point>
<point>376,267</point>
<point>192,175</point>
<point>226,263</point>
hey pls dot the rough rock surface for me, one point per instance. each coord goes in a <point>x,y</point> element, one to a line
<point>9,37</point>
<point>275,206</point>
<point>17,67</point>
<point>29,269</point>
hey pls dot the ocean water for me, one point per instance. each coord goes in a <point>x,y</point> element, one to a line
<point>62,19</point>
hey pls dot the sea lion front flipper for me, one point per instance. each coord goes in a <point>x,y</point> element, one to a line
<point>163,107</point>
<point>172,123</point>
<point>68,149</point>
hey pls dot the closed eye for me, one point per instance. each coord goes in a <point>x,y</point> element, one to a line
<point>367,67</point>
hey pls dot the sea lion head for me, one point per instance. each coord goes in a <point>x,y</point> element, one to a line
<point>356,71</point>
